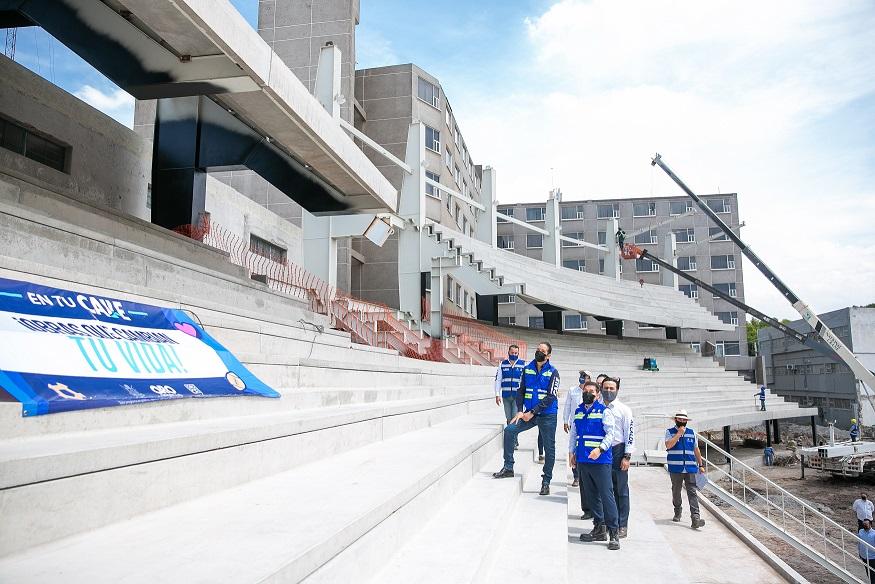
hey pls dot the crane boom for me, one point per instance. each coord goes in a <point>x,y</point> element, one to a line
<point>866,377</point>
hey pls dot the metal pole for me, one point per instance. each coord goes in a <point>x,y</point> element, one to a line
<point>777,431</point>
<point>727,443</point>
<point>768,433</point>
<point>813,431</point>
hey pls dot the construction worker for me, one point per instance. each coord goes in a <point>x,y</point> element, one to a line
<point>507,382</point>
<point>538,403</point>
<point>622,446</point>
<point>572,400</point>
<point>762,396</point>
<point>855,430</point>
<point>621,238</point>
<point>589,447</point>
<point>684,461</point>
<point>866,548</point>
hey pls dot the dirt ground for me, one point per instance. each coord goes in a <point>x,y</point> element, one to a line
<point>830,495</point>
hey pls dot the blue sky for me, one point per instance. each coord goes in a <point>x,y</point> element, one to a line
<point>775,101</point>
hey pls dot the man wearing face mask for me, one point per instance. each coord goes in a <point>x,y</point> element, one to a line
<point>572,400</point>
<point>507,382</point>
<point>622,448</point>
<point>537,399</point>
<point>684,461</point>
<point>589,446</point>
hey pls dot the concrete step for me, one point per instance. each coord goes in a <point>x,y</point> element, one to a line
<point>280,528</point>
<point>84,480</point>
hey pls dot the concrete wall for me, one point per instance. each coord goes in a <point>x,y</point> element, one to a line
<point>108,165</point>
<point>807,377</point>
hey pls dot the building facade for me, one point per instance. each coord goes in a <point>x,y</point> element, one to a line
<point>702,251</point>
<point>803,375</point>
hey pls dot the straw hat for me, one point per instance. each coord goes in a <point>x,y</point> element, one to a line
<point>682,414</point>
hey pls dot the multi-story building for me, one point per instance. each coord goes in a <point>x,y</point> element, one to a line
<point>807,377</point>
<point>702,250</point>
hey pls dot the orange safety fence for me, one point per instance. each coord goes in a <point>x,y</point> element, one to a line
<point>477,335</point>
<point>368,323</point>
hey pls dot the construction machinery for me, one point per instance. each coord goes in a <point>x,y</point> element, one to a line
<point>847,458</point>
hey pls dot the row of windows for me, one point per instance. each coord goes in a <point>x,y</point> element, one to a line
<point>612,210</point>
<point>22,141</point>
<point>459,296</point>
<point>692,290</point>
<point>807,369</point>
<point>687,235</point>
<point>267,249</point>
<point>431,94</point>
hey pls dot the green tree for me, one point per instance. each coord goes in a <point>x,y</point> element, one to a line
<point>752,327</point>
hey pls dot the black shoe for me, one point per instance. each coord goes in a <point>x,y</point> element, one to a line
<point>504,473</point>
<point>586,515</point>
<point>545,489</point>
<point>624,532</point>
<point>677,517</point>
<point>598,533</point>
<point>697,523</point>
<point>614,543</point>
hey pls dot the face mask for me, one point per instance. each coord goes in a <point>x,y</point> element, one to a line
<point>582,380</point>
<point>588,398</point>
<point>512,357</point>
<point>609,395</point>
<point>540,356</point>
<point>863,497</point>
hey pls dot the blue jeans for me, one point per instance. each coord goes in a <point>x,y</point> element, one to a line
<point>600,493</point>
<point>620,480</point>
<point>546,424</point>
<point>510,410</point>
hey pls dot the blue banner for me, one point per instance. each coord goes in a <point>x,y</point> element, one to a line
<point>62,350</point>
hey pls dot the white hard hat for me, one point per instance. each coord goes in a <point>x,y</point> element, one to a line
<point>682,414</point>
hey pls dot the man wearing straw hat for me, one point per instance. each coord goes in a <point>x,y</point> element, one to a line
<point>684,462</point>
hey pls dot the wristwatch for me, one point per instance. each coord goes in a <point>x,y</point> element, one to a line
<point>627,456</point>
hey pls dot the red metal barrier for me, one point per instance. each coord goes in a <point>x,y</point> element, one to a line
<point>472,333</point>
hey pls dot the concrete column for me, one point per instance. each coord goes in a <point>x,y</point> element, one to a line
<point>727,442</point>
<point>486,230</point>
<point>327,88</point>
<point>436,320</point>
<point>411,209</point>
<point>667,252</point>
<point>612,257</point>
<point>320,248</point>
<point>813,431</point>
<point>551,252</point>
<point>768,433</point>
<point>777,431</point>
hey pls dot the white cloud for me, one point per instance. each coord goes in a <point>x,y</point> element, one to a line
<point>374,50</point>
<point>116,104</point>
<point>729,93</point>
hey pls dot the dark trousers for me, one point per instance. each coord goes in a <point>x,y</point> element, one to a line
<point>596,478</point>
<point>540,443</point>
<point>620,479</point>
<point>546,424</point>
<point>584,501</point>
<point>762,405</point>
<point>871,570</point>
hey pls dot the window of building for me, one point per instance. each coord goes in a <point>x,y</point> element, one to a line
<point>504,241</point>
<point>573,235</point>
<point>448,158</point>
<point>535,213</point>
<point>450,287</point>
<point>646,209</point>
<point>458,214</point>
<point>719,205</point>
<point>431,190</point>
<point>579,265</point>
<point>458,293</point>
<point>730,317</point>
<point>457,174</point>
<point>464,224</point>
<point>645,265</point>
<point>572,212</point>
<point>433,139</point>
<point>687,263</point>
<point>601,265</point>
<point>267,249</point>
<point>507,320</point>
<point>505,211</point>
<point>505,299</point>
<point>465,303</point>
<point>726,288</point>
<point>723,262</point>
<point>687,235</point>
<point>429,93</point>
<point>458,137</point>
<point>534,241</point>
<point>608,210</point>
<point>536,322</point>
<point>728,349</point>
<point>690,290</point>
<point>603,237</point>
<point>575,322</point>
<point>717,234</point>
<point>680,207</point>
<point>449,117</point>
<point>696,347</point>
<point>648,237</point>
<point>38,148</point>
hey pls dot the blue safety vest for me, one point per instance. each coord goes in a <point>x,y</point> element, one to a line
<point>511,371</point>
<point>855,432</point>
<point>762,393</point>
<point>590,433</point>
<point>682,456</point>
<point>538,386</point>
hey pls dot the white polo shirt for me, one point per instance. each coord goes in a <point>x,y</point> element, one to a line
<point>624,427</point>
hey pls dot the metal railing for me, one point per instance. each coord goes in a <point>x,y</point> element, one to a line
<point>783,514</point>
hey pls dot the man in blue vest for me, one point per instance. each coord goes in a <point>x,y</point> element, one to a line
<point>762,395</point>
<point>855,430</point>
<point>507,382</point>
<point>684,462</point>
<point>589,445</point>
<point>537,400</point>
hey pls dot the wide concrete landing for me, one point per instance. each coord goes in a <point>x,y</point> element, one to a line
<point>659,550</point>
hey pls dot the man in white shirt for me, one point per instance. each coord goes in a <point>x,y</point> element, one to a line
<point>572,400</point>
<point>623,446</point>
<point>864,508</point>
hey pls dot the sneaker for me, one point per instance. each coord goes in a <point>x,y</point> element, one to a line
<point>614,543</point>
<point>587,514</point>
<point>503,474</point>
<point>541,458</point>
<point>624,532</point>
<point>575,483</point>
<point>677,517</point>
<point>545,489</point>
<point>598,533</point>
<point>697,523</point>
